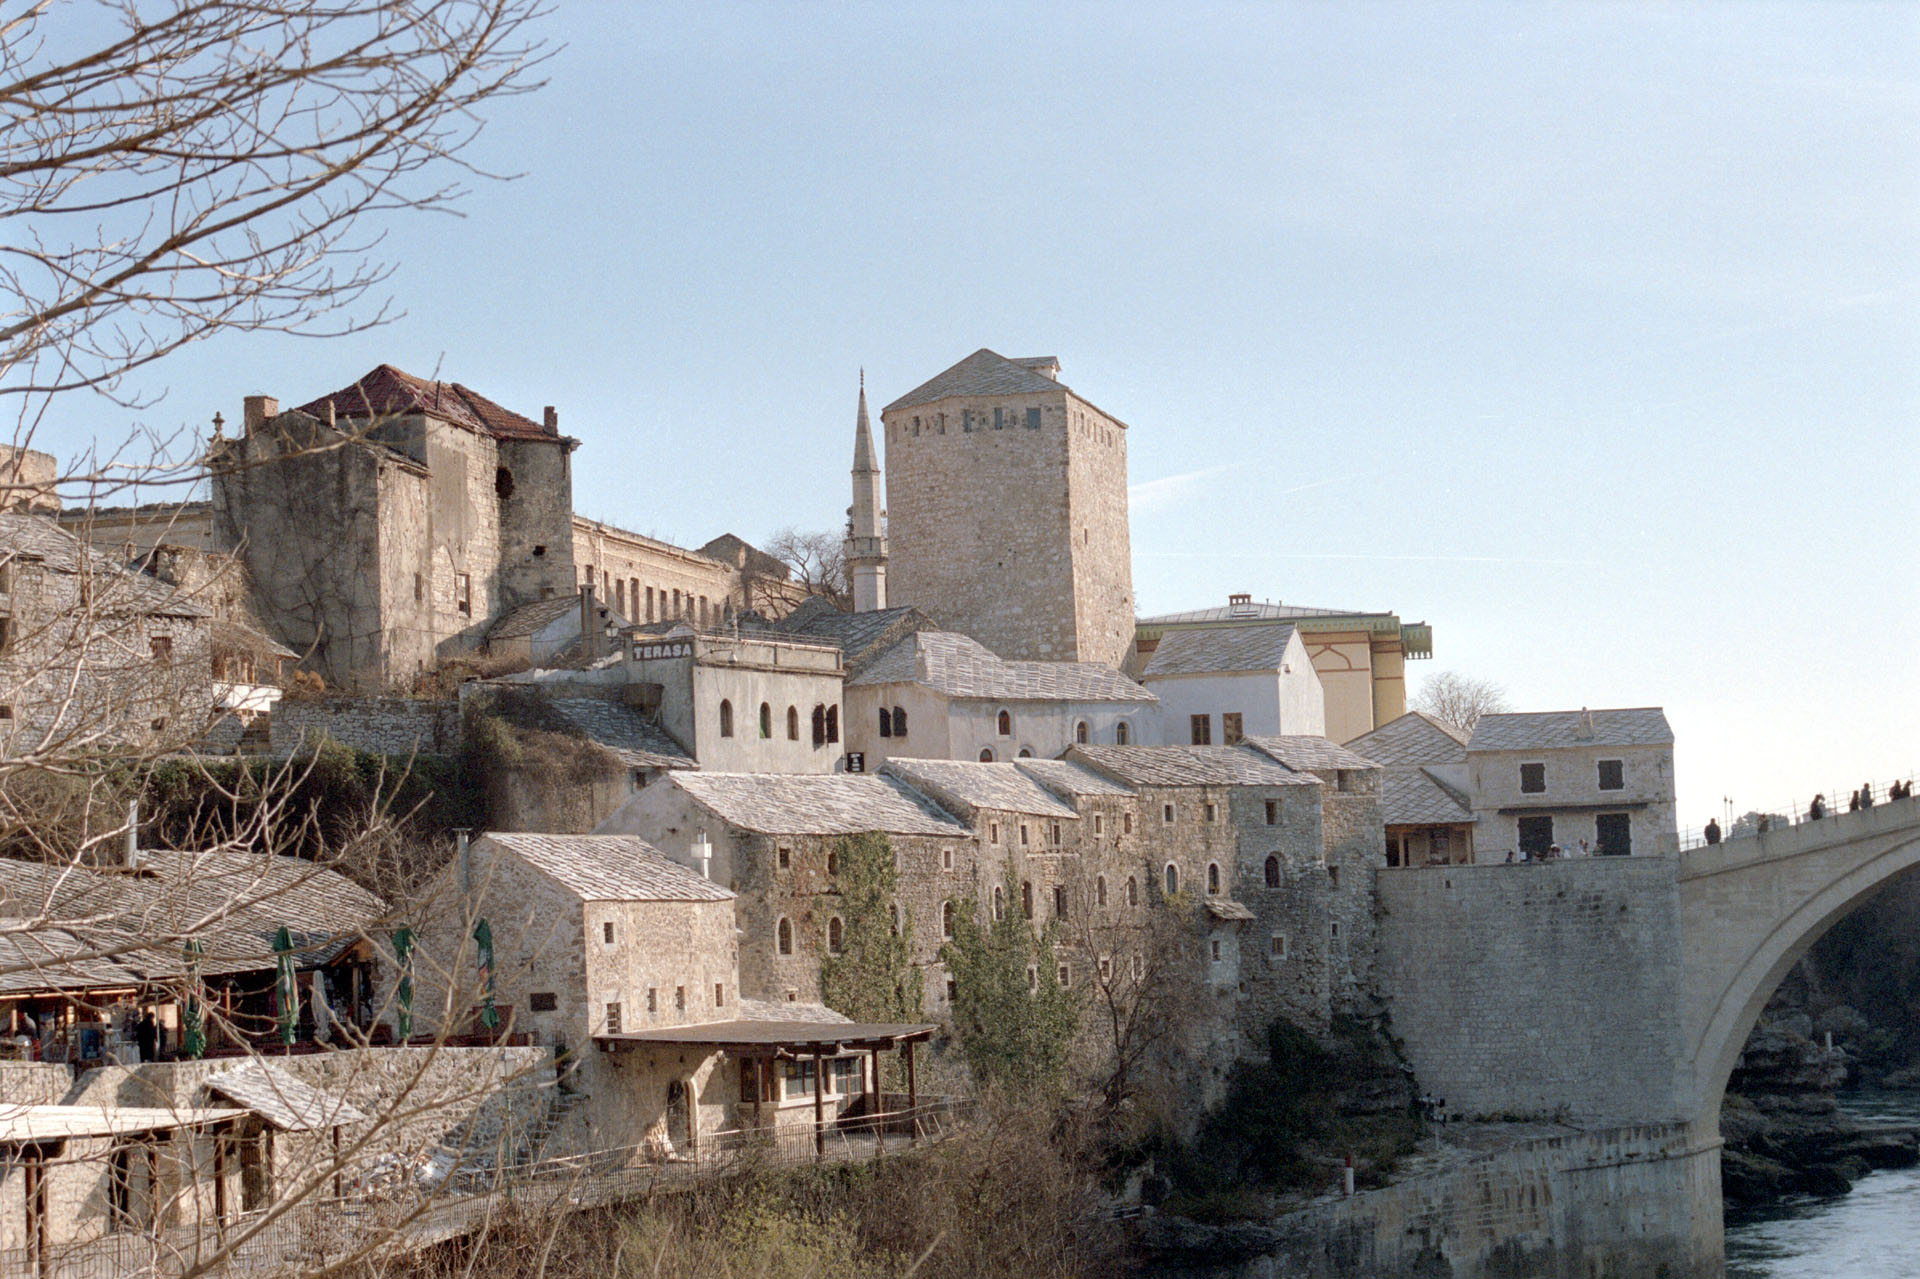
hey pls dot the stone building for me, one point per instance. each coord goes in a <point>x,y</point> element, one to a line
<point>1007,511</point>
<point>1360,657</point>
<point>1548,778</point>
<point>1224,684</point>
<point>942,695</point>
<point>741,703</point>
<point>1426,801</point>
<point>92,652</point>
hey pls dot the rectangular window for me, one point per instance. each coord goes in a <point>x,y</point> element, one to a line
<point>613,1019</point>
<point>653,999</point>
<point>1201,728</point>
<point>463,593</point>
<point>846,1075</point>
<point>606,932</point>
<point>1056,834</point>
<point>1166,814</point>
<point>1536,835</point>
<point>419,588</point>
<point>1333,876</point>
<point>6,634</point>
<point>1615,834</point>
<point>1215,947</point>
<point>1098,822</point>
<point>1273,812</point>
<point>1211,812</point>
<point>1066,977</point>
<point>1277,946</point>
<point>1033,419</point>
<point>161,647</point>
<point>784,856</point>
<point>946,859</point>
<point>543,1001</point>
<point>799,1081</point>
<point>1023,834</point>
<point>719,995</point>
<point>1343,779</point>
<point>1126,823</point>
<point>998,420</point>
<point>1231,732</point>
<point>1060,901</point>
<point>680,998</point>
<point>993,832</point>
<point>1533,779</point>
<point>1613,774</point>
<point>953,990</point>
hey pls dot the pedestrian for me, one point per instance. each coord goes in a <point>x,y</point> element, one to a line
<point>1766,823</point>
<point>1713,831</point>
<point>146,1033</point>
<point>1585,850</point>
<point>1509,857</point>
<point>1866,795</point>
<point>1853,802</point>
<point>1817,809</point>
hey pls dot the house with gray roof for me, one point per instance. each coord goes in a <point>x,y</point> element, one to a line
<point>1587,782</point>
<point>1220,685</point>
<point>1425,801</point>
<point>942,695</point>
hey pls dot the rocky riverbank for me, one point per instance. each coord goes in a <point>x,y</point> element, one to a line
<point>1784,1130</point>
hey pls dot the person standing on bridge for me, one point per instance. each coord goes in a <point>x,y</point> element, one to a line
<point>1866,795</point>
<point>1853,802</point>
<point>1817,809</point>
<point>1713,831</point>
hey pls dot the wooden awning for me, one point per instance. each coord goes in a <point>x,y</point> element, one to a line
<point>774,1038</point>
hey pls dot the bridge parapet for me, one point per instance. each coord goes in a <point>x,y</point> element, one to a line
<point>1803,837</point>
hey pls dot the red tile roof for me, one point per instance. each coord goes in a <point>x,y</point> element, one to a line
<point>389,392</point>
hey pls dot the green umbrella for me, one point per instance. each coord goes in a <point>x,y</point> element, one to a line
<point>483,941</point>
<point>286,987</point>
<point>403,995</point>
<point>193,1031</point>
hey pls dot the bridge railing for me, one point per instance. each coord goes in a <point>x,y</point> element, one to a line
<point>1797,812</point>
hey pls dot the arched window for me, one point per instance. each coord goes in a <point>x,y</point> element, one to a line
<point>1100,890</point>
<point>1024,754</point>
<point>899,721</point>
<point>783,935</point>
<point>834,935</point>
<point>1173,879</point>
<point>1273,870</point>
<point>1121,733</point>
<point>1005,724</point>
<point>1133,890</point>
<point>946,920</point>
<point>986,755</point>
<point>726,718</point>
<point>1213,878</point>
<point>833,723</point>
<point>1026,898</point>
<point>1080,733</point>
<point>820,725</point>
<point>766,720</point>
<point>999,903</point>
<point>793,723</point>
<point>886,722</point>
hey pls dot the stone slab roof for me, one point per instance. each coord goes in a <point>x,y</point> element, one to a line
<point>961,667</point>
<point>1411,796</point>
<point>1219,650</point>
<point>1189,766</point>
<point>982,373</point>
<point>783,1010</point>
<point>530,619</point>
<point>390,392</point>
<point>283,1101</point>
<point>1001,786</point>
<point>861,637</point>
<point>1414,738</point>
<point>117,589</point>
<point>1251,611</point>
<point>608,868</point>
<point>817,804</point>
<point>1065,777</point>
<point>20,1123</point>
<point>1547,730</point>
<point>1304,753</point>
<point>1227,908</point>
<point>38,959</point>
<point>744,1033</point>
<point>635,740</point>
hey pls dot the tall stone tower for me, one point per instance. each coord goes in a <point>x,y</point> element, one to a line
<point>866,532</point>
<point>1007,497</point>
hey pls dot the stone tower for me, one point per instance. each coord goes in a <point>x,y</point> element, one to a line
<point>1007,497</point>
<point>866,530</point>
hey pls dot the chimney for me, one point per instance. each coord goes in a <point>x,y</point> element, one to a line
<point>589,624</point>
<point>133,835</point>
<point>551,419</point>
<point>258,410</point>
<point>1583,727</point>
<point>703,853</point>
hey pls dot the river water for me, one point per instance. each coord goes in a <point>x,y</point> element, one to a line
<point>1873,1233</point>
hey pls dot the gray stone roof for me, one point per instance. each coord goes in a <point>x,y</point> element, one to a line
<point>1547,730</point>
<point>1414,738</point>
<point>982,373</point>
<point>1411,796</point>
<point>958,666</point>
<point>1228,909</point>
<point>1302,753</point>
<point>1065,777</point>
<point>1002,786</point>
<point>1189,766</point>
<point>634,739</point>
<point>117,589</point>
<point>1219,650</point>
<point>530,618</point>
<point>607,868</point>
<point>861,637</point>
<point>1253,611</point>
<point>817,804</point>
<point>782,1010</point>
<point>283,1101</point>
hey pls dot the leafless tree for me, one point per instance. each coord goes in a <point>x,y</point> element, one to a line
<point>1459,700</point>
<point>818,560</point>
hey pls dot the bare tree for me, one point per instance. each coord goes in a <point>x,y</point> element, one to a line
<point>818,560</point>
<point>1459,700</point>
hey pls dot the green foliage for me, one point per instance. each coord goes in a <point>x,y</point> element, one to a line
<point>1014,1020</point>
<point>873,978</point>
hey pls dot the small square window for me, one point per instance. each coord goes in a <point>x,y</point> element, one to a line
<point>1033,419</point>
<point>543,1001</point>
<point>1533,779</point>
<point>1613,774</point>
<point>161,647</point>
<point>1277,946</point>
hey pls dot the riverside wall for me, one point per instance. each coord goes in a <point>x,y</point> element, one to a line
<point>1636,1202</point>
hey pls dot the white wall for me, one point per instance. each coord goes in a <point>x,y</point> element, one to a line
<point>1289,701</point>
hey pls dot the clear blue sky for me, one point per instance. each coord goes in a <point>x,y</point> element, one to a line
<point>1585,333</point>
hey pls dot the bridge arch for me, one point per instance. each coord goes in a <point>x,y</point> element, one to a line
<point>1752,908</point>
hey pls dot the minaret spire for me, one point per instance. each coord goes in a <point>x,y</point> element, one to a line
<point>866,531</point>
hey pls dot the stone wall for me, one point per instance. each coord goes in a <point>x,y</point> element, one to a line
<point>34,1083</point>
<point>381,725</point>
<point>1538,989</point>
<point>647,580</point>
<point>1634,1201</point>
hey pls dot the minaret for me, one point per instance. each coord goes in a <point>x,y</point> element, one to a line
<point>866,533</point>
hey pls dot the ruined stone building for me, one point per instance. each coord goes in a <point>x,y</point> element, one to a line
<point>1006,515</point>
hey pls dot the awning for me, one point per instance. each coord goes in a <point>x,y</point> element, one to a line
<point>1227,908</point>
<point>281,1100</point>
<point>1548,810</point>
<point>774,1038</point>
<point>19,1124</point>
